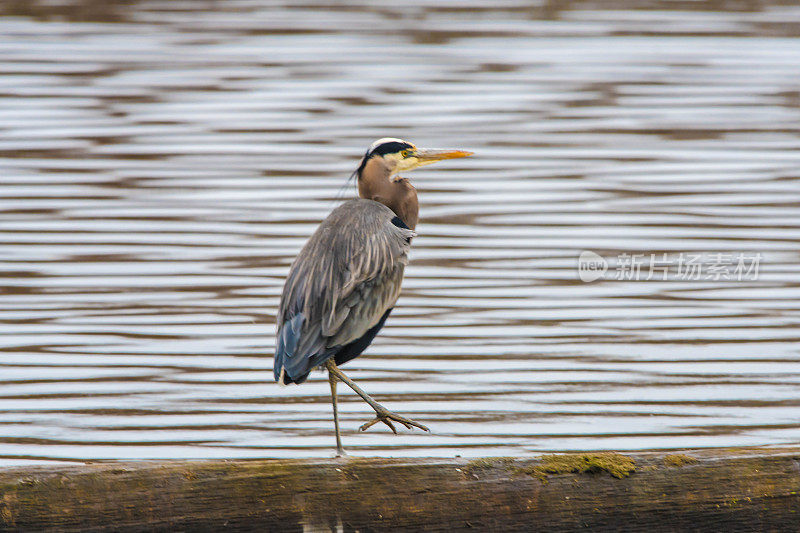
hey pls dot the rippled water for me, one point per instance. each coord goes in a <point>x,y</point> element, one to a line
<point>162,162</point>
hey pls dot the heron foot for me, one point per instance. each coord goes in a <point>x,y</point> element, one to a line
<point>386,416</point>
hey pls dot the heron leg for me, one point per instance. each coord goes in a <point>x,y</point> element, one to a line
<point>381,413</point>
<point>339,450</point>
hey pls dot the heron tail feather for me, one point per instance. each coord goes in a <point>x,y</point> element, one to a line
<point>288,338</point>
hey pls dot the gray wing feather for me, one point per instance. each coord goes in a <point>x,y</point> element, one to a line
<point>342,281</point>
<point>367,304</point>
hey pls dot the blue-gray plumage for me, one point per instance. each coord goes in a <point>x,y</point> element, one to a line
<point>340,286</point>
<point>346,279</point>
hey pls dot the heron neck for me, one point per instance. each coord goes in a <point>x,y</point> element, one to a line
<point>376,183</point>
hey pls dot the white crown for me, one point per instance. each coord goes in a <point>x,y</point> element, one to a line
<point>385,140</point>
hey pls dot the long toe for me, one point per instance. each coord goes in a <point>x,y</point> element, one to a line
<point>377,419</point>
<point>416,424</point>
<point>387,418</point>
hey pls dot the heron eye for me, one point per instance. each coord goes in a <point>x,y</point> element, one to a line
<point>405,153</point>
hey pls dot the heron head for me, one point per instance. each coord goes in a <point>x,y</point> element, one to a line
<point>393,156</point>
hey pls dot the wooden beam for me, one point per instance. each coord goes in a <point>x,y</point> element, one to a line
<point>722,490</point>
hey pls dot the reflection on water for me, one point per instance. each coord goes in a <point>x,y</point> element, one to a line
<point>163,162</point>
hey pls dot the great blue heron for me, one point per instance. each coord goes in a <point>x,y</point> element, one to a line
<point>346,279</point>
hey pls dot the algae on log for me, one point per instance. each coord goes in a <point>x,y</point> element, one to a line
<point>733,490</point>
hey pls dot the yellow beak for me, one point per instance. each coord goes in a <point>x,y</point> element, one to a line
<point>426,157</point>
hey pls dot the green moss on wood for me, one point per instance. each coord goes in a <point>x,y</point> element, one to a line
<point>618,466</point>
<point>678,459</point>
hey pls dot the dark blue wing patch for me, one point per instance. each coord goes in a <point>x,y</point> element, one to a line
<point>397,221</point>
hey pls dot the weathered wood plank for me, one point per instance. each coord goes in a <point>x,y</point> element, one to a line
<point>729,490</point>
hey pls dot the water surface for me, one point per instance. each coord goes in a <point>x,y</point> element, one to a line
<point>161,163</point>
